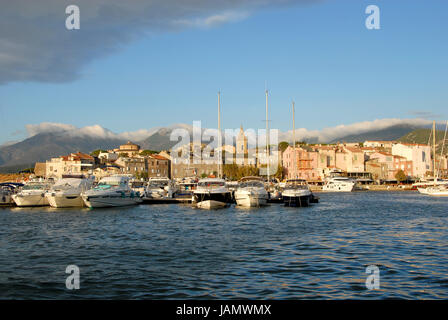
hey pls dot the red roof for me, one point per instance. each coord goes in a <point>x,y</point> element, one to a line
<point>158,157</point>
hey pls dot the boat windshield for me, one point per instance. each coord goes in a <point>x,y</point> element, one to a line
<point>296,184</point>
<point>211,184</point>
<point>34,186</point>
<point>251,184</point>
<point>110,183</point>
<point>157,184</point>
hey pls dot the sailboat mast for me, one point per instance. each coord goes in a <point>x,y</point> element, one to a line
<point>434,150</point>
<point>267,136</point>
<point>294,139</point>
<point>219,135</point>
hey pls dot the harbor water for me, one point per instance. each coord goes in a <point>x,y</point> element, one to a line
<point>177,252</point>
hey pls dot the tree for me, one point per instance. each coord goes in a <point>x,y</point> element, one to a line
<point>282,146</point>
<point>148,152</point>
<point>97,152</point>
<point>400,176</point>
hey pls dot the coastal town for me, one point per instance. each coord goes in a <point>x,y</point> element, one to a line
<point>371,162</point>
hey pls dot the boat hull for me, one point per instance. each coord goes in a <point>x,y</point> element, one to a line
<point>35,200</point>
<point>212,200</point>
<point>6,200</point>
<point>106,202</point>
<point>211,204</point>
<point>249,200</point>
<point>297,201</point>
<point>64,201</point>
<point>339,188</point>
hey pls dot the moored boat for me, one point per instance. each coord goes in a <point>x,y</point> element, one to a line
<point>339,184</point>
<point>7,190</point>
<point>32,194</point>
<point>297,193</point>
<point>211,193</point>
<point>66,192</point>
<point>111,191</point>
<point>251,192</point>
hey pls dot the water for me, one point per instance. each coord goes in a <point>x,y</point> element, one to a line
<point>176,252</point>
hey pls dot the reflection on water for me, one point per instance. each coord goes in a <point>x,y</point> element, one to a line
<point>170,251</point>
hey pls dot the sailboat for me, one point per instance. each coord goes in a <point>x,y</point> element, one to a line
<point>436,190</point>
<point>297,193</point>
<point>212,193</point>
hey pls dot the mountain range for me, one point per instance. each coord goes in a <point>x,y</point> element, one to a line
<point>45,145</point>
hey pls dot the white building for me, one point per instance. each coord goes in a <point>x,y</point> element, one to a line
<point>419,154</point>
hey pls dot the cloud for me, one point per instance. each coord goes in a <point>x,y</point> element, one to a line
<point>324,135</point>
<point>36,46</point>
<point>44,127</point>
<point>332,133</point>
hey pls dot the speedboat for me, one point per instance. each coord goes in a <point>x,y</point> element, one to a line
<point>32,194</point>
<point>66,192</point>
<point>185,188</point>
<point>111,191</point>
<point>436,191</point>
<point>159,188</point>
<point>339,184</point>
<point>251,192</point>
<point>297,193</point>
<point>211,193</point>
<point>7,190</point>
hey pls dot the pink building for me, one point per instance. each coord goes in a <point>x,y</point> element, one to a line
<point>306,166</point>
<point>394,164</point>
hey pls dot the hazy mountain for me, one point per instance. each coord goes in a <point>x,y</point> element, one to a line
<point>391,133</point>
<point>43,146</point>
<point>159,140</point>
<point>424,136</point>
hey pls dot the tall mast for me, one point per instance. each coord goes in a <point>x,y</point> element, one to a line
<point>219,135</point>
<point>267,135</point>
<point>294,140</point>
<point>434,150</point>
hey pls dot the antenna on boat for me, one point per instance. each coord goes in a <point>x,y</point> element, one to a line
<point>267,134</point>
<point>219,135</point>
<point>434,150</point>
<point>294,139</point>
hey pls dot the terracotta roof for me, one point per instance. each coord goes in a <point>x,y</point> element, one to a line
<point>158,157</point>
<point>353,149</point>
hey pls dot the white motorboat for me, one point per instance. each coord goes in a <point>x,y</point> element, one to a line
<point>211,193</point>
<point>339,184</point>
<point>251,192</point>
<point>66,192</point>
<point>7,190</point>
<point>160,188</point>
<point>436,191</point>
<point>32,194</point>
<point>111,191</point>
<point>297,193</point>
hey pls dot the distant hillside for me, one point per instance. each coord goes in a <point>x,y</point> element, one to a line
<point>158,141</point>
<point>422,136</point>
<point>44,146</point>
<point>391,133</point>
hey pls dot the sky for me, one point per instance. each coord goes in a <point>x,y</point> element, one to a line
<point>143,64</point>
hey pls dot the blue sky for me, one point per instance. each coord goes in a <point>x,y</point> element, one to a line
<point>320,54</point>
